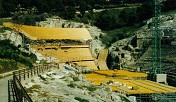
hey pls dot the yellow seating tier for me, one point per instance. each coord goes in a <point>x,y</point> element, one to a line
<point>121,73</point>
<point>68,55</point>
<point>43,33</point>
<point>89,64</point>
<point>130,86</point>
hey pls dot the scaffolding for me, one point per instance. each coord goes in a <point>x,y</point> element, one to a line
<point>156,97</point>
<point>156,41</point>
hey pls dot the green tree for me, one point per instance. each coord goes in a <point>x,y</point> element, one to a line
<point>70,3</point>
<point>59,6</point>
<point>1,9</point>
<point>82,8</point>
<point>108,20</point>
<point>8,6</point>
<point>69,13</point>
<point>145,11</point>
<point>128,17</point>
<point>169,5</point>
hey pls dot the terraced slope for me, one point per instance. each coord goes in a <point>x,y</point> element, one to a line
<point>168,63</point>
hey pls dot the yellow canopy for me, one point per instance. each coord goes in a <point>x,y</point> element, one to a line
<point>44,33</point>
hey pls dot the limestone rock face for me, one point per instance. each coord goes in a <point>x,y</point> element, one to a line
<point>13,36</point>
<point>143,36</point>
<point>65,84</point>
<point>121,53</point>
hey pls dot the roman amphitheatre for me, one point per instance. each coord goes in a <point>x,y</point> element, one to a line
<point>72,46</point>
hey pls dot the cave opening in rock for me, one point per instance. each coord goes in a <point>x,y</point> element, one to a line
<point>134,41</point>
<point>122,55</point>
<point>113,62</point>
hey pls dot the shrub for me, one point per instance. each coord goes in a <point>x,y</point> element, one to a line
<point>32,89</point>
<point>7,64</point>
<point>9,51</point>
<point>81,100</point>
<point>118,34</point>
<point>4,28</point>
<point>75,78</point>
<point>29,19</point>
<point>72,85</point>
<point>91,88</point>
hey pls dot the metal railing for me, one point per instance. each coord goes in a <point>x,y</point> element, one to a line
<point>16,91</point>
<point>11,93</point>
<point>20,93</point>
<point>26,74</point>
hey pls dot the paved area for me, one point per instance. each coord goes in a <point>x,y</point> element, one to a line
<point>4,89</point>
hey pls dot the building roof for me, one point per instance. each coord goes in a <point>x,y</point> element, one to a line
<point>45,33</point>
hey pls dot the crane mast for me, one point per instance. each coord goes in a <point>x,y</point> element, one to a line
<point>156,41</point>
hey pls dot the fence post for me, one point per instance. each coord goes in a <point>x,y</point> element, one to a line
<point>31,72</point>
<point>19,74</point>
<point>42,69</point>
<point>34,70</point>
<point>37,70</point>
<point>58,65</point>
<point>28,73</point>
<point>24,74</point>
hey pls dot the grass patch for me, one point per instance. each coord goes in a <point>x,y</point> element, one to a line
<point>4,20</point>
<point>124,99</point>
<point>75,78</point>
<point>59,100</point>
<point>45,94</point>
<point>72,85</point>
<point>7,65</point>
<point>33,80</point>
<point>45,82</point>
<point>52,78</point>
<point>81,100</point>
<point>32,89</point>
<point>91,88</point>
<point>81,86</point>
<point>3,29</point>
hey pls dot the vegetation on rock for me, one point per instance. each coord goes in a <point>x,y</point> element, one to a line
<point>10,55</point>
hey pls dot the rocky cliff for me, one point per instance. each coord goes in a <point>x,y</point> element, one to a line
<point>67,84</point>
<point>125,53</point>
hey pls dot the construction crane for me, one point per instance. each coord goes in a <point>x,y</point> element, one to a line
<point>156,41</point>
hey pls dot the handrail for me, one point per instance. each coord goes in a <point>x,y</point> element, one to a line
<point>19,94</point>
<point>23,74</point>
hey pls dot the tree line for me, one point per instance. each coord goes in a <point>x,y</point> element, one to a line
<point>8,7</point>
